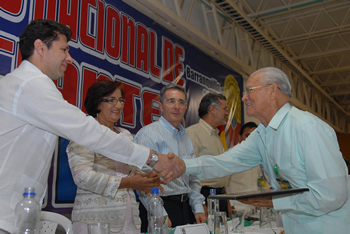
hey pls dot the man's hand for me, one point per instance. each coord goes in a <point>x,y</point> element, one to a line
<point>200,218</point>
<point>205,210</point>
<point>259,201</point>
<point>170,166</point>
<point>169,223</point>
<point>145,181</point>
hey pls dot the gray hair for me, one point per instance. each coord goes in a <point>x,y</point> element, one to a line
<point>171,86</point>
<point>208,100</point>
<point>274,75</point>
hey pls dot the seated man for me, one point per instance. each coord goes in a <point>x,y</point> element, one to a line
<point>182,199</point>
<point>206,140</point>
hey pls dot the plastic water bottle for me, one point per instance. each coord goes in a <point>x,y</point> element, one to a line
<point>213,206</point>
<point>27,214</point>
<point>157,220</point>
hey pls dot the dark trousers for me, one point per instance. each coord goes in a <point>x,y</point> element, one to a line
<point>179,213</point>
<point>205,191</point>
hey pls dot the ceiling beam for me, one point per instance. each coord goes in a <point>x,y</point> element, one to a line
<point>287,7</point>
<point>313,9</point>
<point>313,35</point>
<point>205,43</point>
<point>331,70</point>
<point>346,103</point>
<point>264,39</point>
<point>322,54</point>
<point>336,84</point>
<point>340,93</point>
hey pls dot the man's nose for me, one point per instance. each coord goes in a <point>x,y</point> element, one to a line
<point>69,58</point>
<point>245,97</point>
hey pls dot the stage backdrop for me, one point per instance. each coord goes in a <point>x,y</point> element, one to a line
<point>111,40</point>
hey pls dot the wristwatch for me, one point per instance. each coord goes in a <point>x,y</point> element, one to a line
<point>154,159</point>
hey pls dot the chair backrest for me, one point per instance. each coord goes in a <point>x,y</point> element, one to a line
<point>50,220</point>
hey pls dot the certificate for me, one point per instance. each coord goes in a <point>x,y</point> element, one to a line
<point>258,193</point>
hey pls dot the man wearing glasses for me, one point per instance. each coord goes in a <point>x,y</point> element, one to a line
<point>182,199</point>
<point>297,150</point>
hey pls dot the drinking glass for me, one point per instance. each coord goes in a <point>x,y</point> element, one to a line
<point>237,221</point>
<point>265,218</point>
<point>220,223</point>
<point>252,211</point>
<point>98,228</point>
<point>279,222</point>
<point>273,217</point>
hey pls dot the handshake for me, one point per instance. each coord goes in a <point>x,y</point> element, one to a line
<point>169,167</point>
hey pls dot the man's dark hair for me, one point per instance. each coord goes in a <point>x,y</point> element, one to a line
<point>171,86</point>
<point>43,29</point>
<point>247,125</point>
<point>97,92</point>
<point>208,100</point>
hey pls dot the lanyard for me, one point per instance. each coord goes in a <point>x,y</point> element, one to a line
<point>283,183</point>
<point>276,170</point>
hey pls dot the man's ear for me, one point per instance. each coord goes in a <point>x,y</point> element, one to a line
<point>212,108</point>
<point>273,90</point>
<point>39,47</point>
<point>160,106</point>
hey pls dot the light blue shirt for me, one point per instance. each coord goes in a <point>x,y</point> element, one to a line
<point>306,151</point>
<point>164,138</point>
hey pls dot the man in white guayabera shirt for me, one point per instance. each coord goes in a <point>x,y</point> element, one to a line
<point>33,114</point>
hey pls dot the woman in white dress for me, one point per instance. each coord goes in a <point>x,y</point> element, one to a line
<point>105,187</point>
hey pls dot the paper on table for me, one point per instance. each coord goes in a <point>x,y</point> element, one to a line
<point>258,193</point>
<point>192,229</point>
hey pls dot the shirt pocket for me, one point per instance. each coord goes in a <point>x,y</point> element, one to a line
<point>289,169</point>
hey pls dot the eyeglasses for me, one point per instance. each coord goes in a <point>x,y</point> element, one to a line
<point>249,90</point>
<point>114,101</point>
<point>172,102</point>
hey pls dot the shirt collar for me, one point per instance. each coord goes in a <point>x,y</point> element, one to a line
<point>279,116</point>
<point>27,64</point>
<point>208,128</point>
<point>276,119</point>
<point>171,128</point>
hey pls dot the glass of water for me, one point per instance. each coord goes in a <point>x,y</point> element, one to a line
<point>98,228</point>
<point>237,221</point>
<point>220,223</point>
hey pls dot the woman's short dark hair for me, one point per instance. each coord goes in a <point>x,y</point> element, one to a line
<point>43,29</point>
<point>98,91</point>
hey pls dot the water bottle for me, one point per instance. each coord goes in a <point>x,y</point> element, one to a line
<point>213,206</point>
<point>157,220</point>
<point>27,214</point>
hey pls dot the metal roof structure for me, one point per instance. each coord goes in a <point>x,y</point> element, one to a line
<point>308,39</point>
